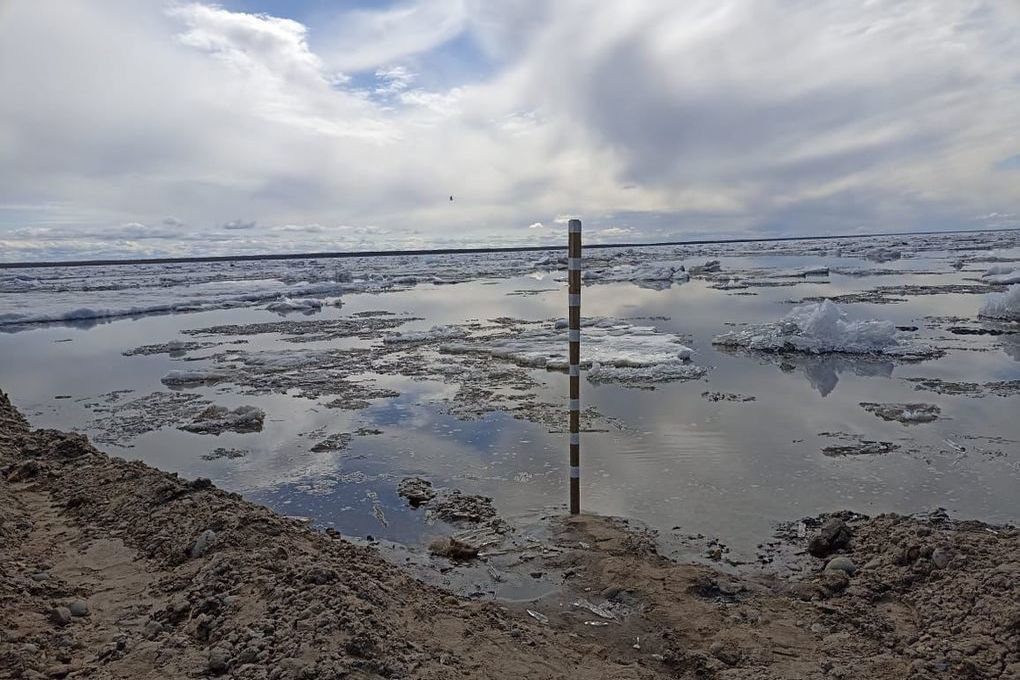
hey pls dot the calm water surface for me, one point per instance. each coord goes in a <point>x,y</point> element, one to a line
<point>682,464</point>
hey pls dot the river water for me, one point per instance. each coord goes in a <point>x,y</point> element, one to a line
<point>672,456</point>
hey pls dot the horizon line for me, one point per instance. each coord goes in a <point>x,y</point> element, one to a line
<point>461,251</point>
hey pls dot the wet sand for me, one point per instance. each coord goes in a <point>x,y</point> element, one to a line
<point>113,569</point>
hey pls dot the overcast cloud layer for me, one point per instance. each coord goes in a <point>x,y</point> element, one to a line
<point>131,127</point>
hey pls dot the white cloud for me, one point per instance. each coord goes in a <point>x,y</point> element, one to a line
<point>716,116</point>
<point>394,79</point>
<point>368,39</point>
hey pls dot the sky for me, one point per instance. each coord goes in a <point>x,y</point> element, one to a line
<point>133,128</point>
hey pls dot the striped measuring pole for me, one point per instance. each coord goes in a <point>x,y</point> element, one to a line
<point>574,339</point>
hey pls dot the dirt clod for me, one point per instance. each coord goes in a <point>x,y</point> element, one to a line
<point>833,535</point>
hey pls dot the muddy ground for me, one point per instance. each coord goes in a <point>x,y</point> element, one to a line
<point>113,569</point>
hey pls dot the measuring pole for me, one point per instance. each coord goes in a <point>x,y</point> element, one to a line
<point>574,339</point>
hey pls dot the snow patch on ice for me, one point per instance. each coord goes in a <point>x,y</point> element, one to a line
<point>1005,306</point>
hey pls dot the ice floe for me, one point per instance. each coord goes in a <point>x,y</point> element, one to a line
<point>1004,279</point>
<point>219,419</point>
<point>908,414</point>
<point>998,388</point>
<point>804,272</point>
<point>612,350</point>
<point>815,328</point>
<point>823,328</point>
<point>192,378</point>
<point>85,295</point>
<point>881,254</point>
<point>193,303</point>
<point>434,334</point>
<point>1004,306</point>
<point>998,269</point>
<point>657,271</point>
<point>287,305</point>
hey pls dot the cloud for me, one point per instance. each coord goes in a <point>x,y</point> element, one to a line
<point>234,225</point>
<point>394,80</point>
<point>367,39</point>
<point>615,231</point>
<point>716,117</point>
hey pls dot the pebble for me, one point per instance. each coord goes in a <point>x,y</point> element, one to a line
<point>940,558</point>
<point>202,544</point>
<point>833,535</point>
<point>60,616</point>
<point>729,587</point>
<point>453,549</point>
<point>41,576</point>
<point>78,608</point>
<point>843,564</point>
<point>218,661</point>
<point>153,628</point>
<point>247,655</point>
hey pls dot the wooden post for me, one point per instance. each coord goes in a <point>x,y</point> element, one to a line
<point>574,340</point>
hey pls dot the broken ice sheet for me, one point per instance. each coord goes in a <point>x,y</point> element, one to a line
<point>117,423</point>
<point>614,351</point>
<point>999,388</point>
<point>856,445</point>
<point>907,414</point>
<point>219,419</point>
<point>303,305</point>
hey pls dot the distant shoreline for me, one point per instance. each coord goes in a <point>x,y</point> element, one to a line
<point>465,251</point>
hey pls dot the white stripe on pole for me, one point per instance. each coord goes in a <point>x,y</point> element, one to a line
<point>574,227</point>
<point>574,300</point>
<point>575,404</point>
<point>574,263</point>
<point>574,335</point>
<point>575,370</point>
<point>575,438</point>
<point>575,472</point>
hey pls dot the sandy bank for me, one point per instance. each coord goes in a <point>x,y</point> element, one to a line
<point>113,569</point>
